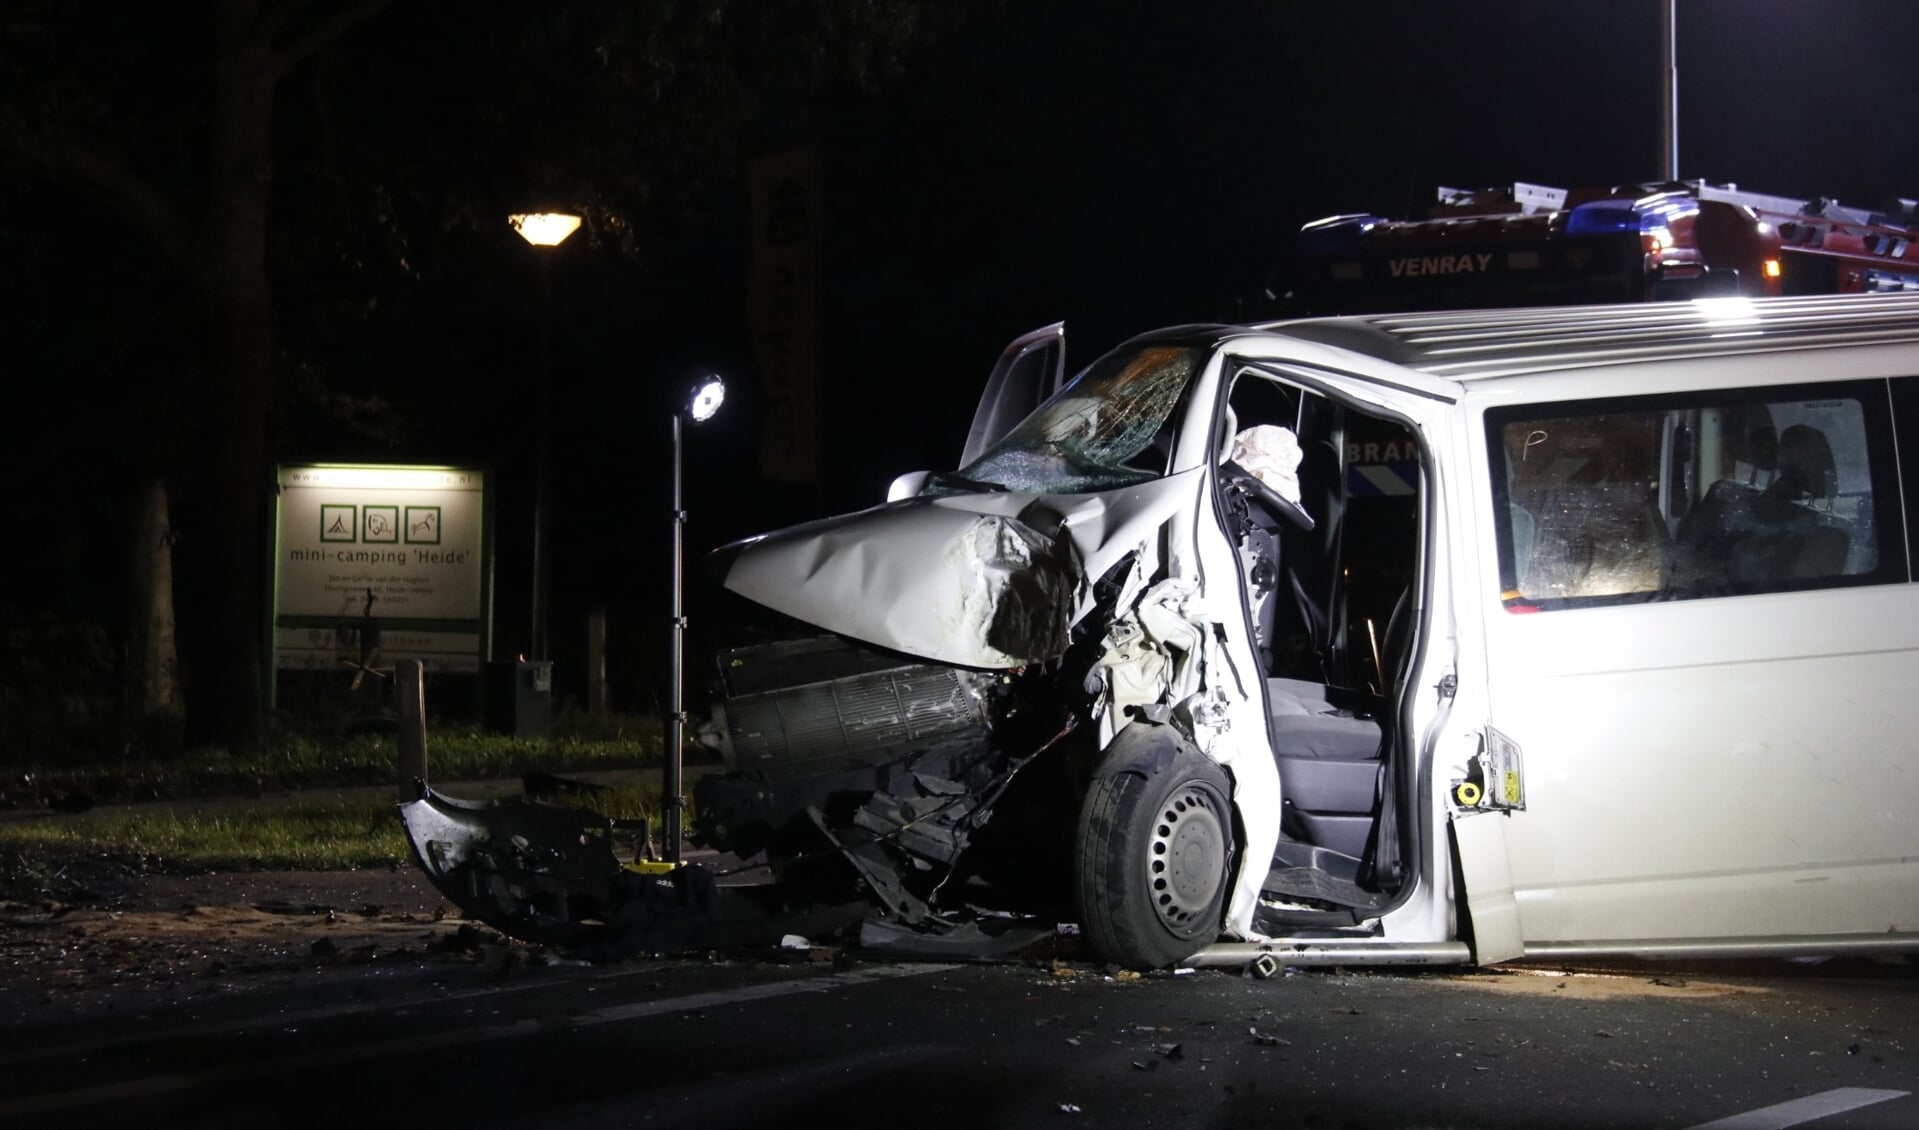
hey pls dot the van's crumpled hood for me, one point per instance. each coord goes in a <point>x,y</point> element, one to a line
<point>980,580</point>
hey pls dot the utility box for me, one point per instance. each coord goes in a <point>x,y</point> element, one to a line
<point>519,698</point>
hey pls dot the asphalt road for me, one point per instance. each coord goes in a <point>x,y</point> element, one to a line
<point>715,1044</point>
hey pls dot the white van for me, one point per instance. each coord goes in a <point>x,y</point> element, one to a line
<point>1416,638</point>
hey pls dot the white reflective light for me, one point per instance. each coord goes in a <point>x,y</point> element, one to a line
<point>1729,311</point>
<point>382,478</point>
<point>544,229</point>
<point>707,398</point>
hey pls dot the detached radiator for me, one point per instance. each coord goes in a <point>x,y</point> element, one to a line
<point>797,701</point>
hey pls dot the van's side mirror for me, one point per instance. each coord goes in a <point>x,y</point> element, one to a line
<point>907,485</point>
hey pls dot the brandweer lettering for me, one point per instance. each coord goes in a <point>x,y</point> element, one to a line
<point>1441,264</point>
<point>1388,452</point>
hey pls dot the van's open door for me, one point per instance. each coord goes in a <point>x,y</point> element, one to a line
<point>1030,370</point>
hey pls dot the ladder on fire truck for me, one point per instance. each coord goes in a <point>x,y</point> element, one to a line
<point>1870,251</point>
<point>1873,251</point>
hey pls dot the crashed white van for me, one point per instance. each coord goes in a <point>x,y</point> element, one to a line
<point>1416,638</point>
<point>1413,638</point>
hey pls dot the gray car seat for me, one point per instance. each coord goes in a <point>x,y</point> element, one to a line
<point>1331,759</point>
<point>1719,521</point>
<point>1794,536</point>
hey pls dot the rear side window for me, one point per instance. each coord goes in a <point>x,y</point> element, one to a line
<point>1696,495</point>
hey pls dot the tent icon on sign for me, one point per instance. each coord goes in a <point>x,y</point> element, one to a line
<point>339,523</point>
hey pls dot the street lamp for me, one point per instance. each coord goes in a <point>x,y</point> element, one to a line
<point>704,395</point>
<point>542,230</point>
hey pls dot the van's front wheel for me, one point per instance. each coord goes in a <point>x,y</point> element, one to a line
<point>1155,852</point>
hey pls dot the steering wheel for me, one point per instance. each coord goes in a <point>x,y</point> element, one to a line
<point>1265,497</point>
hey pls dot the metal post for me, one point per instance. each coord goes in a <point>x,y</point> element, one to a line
<point>596,661</point>
<point>1669,89</point>
<point>670,789</point>
<point>409,676</point>
<point>537,645</point>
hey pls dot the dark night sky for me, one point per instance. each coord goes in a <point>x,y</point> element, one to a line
<point>1117,164</point>
<point>1127,165</point>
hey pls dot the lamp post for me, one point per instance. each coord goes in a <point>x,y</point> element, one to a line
<point>544,230</point>
<point>703,399</point>
<point>1669,90</point>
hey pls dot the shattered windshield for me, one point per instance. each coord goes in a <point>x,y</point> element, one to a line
<point>1106,429</point>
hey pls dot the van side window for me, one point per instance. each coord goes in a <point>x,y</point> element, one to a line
<point>1696,495</point>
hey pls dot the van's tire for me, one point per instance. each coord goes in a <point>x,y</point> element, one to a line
<point>1154,857</point>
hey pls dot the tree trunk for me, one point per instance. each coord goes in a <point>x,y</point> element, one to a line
<point>230,671</point>
<point>234,478</point>
<point>153,713</point>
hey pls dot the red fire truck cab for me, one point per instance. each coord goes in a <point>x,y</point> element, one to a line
<point>1532,245</point>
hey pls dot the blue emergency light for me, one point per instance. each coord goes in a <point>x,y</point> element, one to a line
<point>1629,217</point>
<point>1335,235</point>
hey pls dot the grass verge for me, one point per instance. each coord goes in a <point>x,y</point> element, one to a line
<point>306,762</point>
<point>257,828</point>
<point>297,835</point>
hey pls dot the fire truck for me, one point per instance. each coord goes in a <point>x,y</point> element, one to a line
<point>1533,245</point>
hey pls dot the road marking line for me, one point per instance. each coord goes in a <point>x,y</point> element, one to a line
<point>1821,1105</point>
<point>172,1082</point>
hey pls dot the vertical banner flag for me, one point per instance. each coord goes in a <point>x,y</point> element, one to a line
<point>783,300</point>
